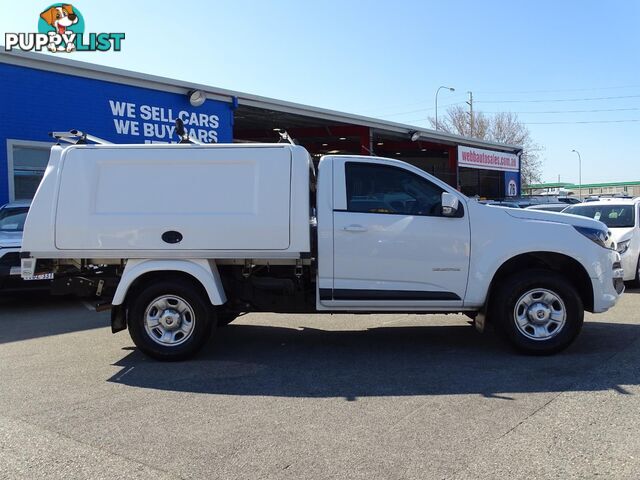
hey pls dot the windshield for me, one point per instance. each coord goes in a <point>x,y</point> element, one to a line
<point>12,219</point>
<point>613,216</point>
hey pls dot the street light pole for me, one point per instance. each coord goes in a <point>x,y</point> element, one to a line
<point>451,89</point>
<point>579,172</point>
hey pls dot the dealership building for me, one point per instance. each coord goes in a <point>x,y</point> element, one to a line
<point>43,93</point>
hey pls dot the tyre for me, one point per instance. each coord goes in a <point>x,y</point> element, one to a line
<point>170,319</point>
<point>538,311</point>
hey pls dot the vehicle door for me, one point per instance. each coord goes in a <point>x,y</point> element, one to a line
<point>392,246</point>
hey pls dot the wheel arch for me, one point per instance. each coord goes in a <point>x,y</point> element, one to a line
<point>201,272</point>
<point>570,268</point>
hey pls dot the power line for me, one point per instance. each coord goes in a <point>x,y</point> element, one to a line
<point>507,92</point>
<point>557,90</point>
<point>401,105</point>
<point>558,122</point>
<point>402,113</point>
<point>584,99</point>
<point>573,111</point>
<point>424,119</point>
<point>559,99</point>
<point>587,121</point>
<point>419,110</point>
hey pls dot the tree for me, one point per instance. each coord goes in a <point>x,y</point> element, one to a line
<point>504,127</point>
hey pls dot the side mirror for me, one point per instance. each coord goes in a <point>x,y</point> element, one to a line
<point>450,204</point>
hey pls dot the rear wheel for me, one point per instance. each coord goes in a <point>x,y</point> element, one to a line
<point>635,283</point>
<point>170,319</point>
<point>538,311</point>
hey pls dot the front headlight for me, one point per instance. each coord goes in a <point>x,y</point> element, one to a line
<point>595,235</point>
<point>623,246</point>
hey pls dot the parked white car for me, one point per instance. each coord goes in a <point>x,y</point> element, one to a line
<point>622,217</point>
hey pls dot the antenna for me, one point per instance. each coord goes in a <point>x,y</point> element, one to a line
<point>183,135</point>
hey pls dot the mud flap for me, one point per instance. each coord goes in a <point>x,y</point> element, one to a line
<point>118,318</point>
<point>480,322</point>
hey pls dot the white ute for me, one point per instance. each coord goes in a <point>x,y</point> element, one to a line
<point>179,239</point>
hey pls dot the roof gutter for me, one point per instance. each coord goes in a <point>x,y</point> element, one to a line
<point>116,75</point>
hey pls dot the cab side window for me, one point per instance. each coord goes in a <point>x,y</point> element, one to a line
<point>375,188</point>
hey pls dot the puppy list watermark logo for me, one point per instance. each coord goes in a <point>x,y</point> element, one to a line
<point>61,29</point>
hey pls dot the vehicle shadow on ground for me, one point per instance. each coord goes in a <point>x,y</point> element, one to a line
<point>388,361</point>
<point>35,314</point>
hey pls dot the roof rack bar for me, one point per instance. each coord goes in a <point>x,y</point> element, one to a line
<point>77,137</point>
<point>62,136</point>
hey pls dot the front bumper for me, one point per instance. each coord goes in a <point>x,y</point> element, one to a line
<point>629,265</point>
<point>608,286</point>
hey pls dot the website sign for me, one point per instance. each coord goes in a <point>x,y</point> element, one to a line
<point>488,159</point>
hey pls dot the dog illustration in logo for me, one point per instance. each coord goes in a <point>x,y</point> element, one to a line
<point>60,18</point>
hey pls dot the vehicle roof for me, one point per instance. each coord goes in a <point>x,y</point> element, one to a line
<point>559,195</point>
<point>608,201</point>
<point>17,203</point>
<point>176,146</point>
<point>554,204</point>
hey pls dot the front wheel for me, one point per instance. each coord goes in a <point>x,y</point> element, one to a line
<point>538,311</point>
<point>170,319</point>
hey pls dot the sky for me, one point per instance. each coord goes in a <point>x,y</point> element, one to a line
<point>570,69</point>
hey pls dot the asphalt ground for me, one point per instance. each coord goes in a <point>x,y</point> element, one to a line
<point>315,397</point>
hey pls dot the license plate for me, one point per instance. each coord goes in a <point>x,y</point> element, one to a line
<point>42,276</point>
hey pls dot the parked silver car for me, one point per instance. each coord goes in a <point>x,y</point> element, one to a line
<point>12,218</point>
<point>549,207</point>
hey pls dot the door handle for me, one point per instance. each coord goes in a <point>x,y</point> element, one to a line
<point>355,228</point>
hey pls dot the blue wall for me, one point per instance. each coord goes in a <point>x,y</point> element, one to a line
<point>35,102</point>
<point>511,177</point>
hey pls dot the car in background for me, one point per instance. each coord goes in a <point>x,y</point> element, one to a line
<point>501,203</point>
<point>607,198</point>
<point>546,199</point>
<point>548,207</point>
<point>568,199</point>
<point>12,218</point>
<point>621,216</point>
<point>529,201</point>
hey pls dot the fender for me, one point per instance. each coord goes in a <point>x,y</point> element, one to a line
<point>206,272</point>
<point>535,232</point>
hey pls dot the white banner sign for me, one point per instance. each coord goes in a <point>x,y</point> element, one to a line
<point>487,159</point>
